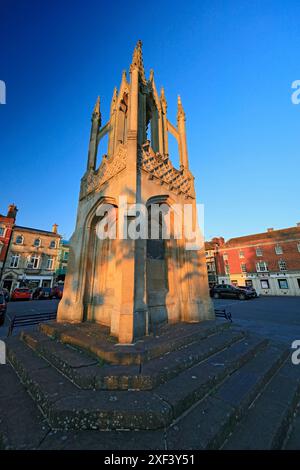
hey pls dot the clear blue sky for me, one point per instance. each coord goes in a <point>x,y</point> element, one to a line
<point>232,62</point>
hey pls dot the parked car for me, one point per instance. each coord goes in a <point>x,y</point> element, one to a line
<point>6,294</point>
<point>57,291</point>
<point>41,293</point>
<point>250,290</point>
<point>21,293</point>
<point>228,291</point>
<point>2,307</point>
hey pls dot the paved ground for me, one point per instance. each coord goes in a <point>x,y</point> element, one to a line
<point>273,317</point>
<point>29,307</point>
<point>277,318</point>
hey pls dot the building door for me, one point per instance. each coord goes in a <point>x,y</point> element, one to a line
<point>7,284</point>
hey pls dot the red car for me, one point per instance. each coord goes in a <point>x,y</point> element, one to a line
<point>21,293</point>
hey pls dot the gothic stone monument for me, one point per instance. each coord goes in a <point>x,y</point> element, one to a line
<point>191,385</point>
<point>134,285</point>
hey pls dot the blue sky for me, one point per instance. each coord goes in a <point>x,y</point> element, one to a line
<point>232,62</point>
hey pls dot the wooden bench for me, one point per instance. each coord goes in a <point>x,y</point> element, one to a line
<point>30,319</point>
<point>222,313</point>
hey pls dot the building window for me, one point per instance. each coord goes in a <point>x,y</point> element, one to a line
<point>282,265</point>
<point>243,268</point>
<point>37,242</point>
<point>259,252</point>
<point>298,246</point>
<point>66,256</point>
<point>249,283</point>
<point>33,262</point>
<point>241,254</point>
<point>52,244</point>
<point>283,284</point>
<point>14,261</point>
<point>225,257</point>
<point>278,250</point>
<point>264,284</point>
<point>261,267</point>
<point>298,280</point>
<point>2,231</point>
<point>50,261</point>
<point>227,269</point>
<point>19,240</point>
<point>234,283</point>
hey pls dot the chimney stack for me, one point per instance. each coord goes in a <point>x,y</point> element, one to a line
<point>12,211</point>
<point>270,229</point>
<point>54,228</point>
<point>298,224</point>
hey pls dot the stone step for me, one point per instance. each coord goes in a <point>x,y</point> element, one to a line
<point>105,440</point>
<point>268,419</point>
<point>215,416</point>
<point>293,437</point>
<point>68,407</point>
<point>22,425</point>
<point>94,339</point>
<point>87,373</point>
<point>193,384</point>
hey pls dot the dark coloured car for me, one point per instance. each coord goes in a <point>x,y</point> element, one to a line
<point>57,291</point>
<point>228,291</point>
<point>2,308</point>
<point>42,293</point>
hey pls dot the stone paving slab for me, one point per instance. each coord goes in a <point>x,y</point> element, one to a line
<point>22,426</point>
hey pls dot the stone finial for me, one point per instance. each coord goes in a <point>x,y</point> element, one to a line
<point>151,76</point>
<point>54,228</point>
<point>96,116</point>
<point>180,110</point>
<point>96,111</point>
<point>163,100</point>
<point>114,98</point>
<point>137,61</point>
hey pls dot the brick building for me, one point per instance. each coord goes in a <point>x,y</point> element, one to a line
<point>268,261</point>
<point>6,226</point>
<point>31,258</point>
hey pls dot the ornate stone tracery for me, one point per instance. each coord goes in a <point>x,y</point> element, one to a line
<point>160,167</point>
<point>109,167</point>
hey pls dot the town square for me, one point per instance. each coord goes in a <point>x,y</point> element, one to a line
<point>149,230</point>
